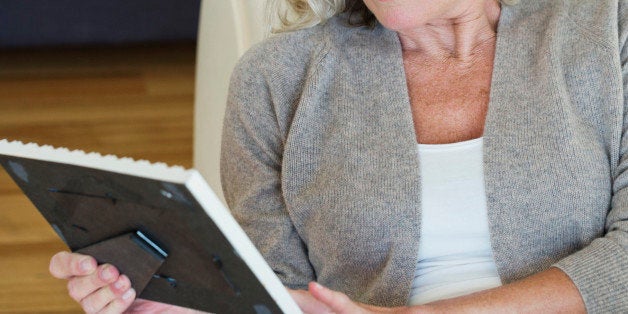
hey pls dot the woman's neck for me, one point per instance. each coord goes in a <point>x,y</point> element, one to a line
<point>459,35</point>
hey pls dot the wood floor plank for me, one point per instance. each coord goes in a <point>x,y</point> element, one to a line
<point>60,86</point>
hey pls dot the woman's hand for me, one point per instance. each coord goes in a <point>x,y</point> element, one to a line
<point>319,299</point>
<point>101,288</point>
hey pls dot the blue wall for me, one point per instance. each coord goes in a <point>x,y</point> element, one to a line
<point>63,22</point>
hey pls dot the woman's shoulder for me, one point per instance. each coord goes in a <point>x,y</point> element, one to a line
<point>285,50</point>
<point>597,23</point>
<point>297,52</point>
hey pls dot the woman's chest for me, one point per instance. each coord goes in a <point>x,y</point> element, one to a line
<point>449,101</point>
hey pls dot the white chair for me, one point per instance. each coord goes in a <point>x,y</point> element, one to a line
<point>227,29</point>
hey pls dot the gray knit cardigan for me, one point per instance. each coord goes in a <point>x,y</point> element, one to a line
<point>319,160</point>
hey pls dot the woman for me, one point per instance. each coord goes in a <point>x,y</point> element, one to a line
<point>456,156</point>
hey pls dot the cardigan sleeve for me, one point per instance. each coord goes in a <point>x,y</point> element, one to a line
<point>600,270</point>
<point>251,158</point>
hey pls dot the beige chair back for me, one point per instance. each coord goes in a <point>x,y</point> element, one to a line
<point>227,29</point>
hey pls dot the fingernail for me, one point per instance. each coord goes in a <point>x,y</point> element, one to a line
<point>118,285</point>
<point>106,274</point>
<point>128,294</point>
<point>86,265</point>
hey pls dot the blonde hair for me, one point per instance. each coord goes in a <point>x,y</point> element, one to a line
<point>289,15</point>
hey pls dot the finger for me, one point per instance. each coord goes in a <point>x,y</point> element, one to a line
<point>101,298</point>
<point>122,285</point>
<point>338,302</point>
<point>121,303</point>
<point>307,302</point>
<point>82,286</point>
<point>64,265</point>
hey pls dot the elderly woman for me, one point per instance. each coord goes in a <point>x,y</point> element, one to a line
<point>428,156</point>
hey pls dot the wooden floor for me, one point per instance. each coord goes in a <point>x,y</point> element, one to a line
<point>128,101</point>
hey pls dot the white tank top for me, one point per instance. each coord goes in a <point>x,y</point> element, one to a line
<point>455,255</point>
